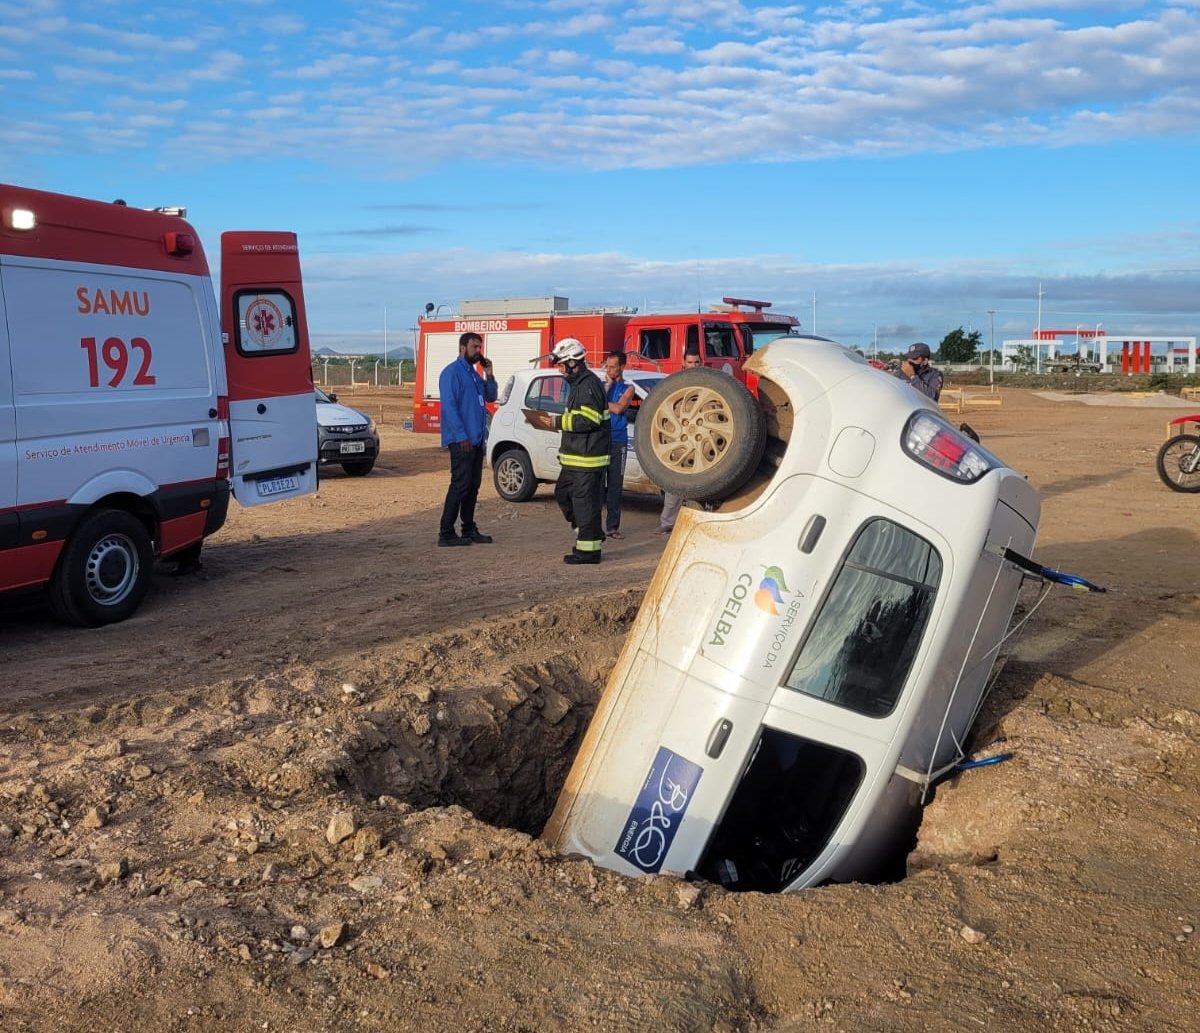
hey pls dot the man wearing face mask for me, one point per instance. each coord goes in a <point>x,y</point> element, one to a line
<point>915,370</point>
<point>583,450</point>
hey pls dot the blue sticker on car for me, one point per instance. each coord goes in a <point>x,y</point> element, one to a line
<point>658,812</point>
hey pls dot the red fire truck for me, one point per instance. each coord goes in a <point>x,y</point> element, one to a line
<point>518,332</point>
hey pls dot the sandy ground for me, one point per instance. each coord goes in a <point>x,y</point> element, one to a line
<point>301,789</point>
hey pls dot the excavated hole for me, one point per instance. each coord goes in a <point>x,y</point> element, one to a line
<point>501,751</point>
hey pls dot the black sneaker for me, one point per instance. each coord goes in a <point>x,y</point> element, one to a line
<point>477,537</point>
<point>581,557</point>
<point>452,539</point>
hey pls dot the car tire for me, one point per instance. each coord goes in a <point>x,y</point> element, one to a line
<point>360,469</point>
<point>513,477</point>
<point>700,435</point>
<point>1173,458</point>
<point>104,571</point>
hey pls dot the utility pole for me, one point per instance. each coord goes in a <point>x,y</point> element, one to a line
<point>875,331</point>
<point>992,350</point>
<point>1038,332</point>
<point>384,345</point>
<point>814,313</point>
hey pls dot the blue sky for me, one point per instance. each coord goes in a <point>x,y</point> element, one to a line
<point>907,165</point>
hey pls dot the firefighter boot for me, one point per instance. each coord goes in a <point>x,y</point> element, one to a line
<point>576,557</point>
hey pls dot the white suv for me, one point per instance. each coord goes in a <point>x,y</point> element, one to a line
<point>522,456</point>
<point>814,648</point>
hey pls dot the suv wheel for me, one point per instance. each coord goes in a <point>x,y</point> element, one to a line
<point>700,435</point>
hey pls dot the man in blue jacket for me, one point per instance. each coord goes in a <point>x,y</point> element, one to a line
<point>464,397</point>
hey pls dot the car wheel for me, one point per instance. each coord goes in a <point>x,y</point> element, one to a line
<point>104,570</point>
<point>700,435</point>
<point>360,469</point>
<point>513,476</point>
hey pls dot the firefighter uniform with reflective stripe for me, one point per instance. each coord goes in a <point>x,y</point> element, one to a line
<point>583,452</point>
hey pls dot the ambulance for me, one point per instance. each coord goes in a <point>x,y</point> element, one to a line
<point>132,402</point>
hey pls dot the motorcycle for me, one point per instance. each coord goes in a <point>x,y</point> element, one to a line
<point>1178,460</point>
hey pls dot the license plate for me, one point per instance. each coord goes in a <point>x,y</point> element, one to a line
<point>277,485</point>
<point>354,446</point>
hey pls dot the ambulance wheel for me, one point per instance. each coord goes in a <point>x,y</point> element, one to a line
<point>513,476</point>
<point>104,570</point>
<point>700,434</point>
<point>360,469</point>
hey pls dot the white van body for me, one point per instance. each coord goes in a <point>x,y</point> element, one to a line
<point>808,660</point>
<point>127,415</point>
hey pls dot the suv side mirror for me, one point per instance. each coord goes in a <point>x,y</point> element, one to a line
<point>333,398</point>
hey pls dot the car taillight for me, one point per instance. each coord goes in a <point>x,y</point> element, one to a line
<point>223,458</point>
<point>943,449</point>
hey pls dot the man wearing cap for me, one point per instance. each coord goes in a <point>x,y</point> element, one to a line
<point>915,370</point>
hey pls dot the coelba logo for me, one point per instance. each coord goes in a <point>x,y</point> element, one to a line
<point>770,590</point>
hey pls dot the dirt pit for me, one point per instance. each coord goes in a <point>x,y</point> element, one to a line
<point>301,789</point>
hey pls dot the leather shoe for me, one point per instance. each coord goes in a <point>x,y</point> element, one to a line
<point>576,558</point>
<point>453,540</point>
<point>477,537</point>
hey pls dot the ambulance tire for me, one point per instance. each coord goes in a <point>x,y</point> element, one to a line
<point>104,570</point>
<point>700,434</point>
<point>360,469</point>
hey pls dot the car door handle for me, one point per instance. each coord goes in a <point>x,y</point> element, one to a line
<point>718,737</point>
<point>212,414</point>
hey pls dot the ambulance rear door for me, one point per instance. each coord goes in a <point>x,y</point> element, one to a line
<point>8,439</point>
<point>272,408</point>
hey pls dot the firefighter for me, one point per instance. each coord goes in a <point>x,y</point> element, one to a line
<point>583,450</point>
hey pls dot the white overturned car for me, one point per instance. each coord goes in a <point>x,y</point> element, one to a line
<point>522,456</point>
<point>813,651</point>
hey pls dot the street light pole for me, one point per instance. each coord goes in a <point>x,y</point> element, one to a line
<point>992,350</point>
<point>875,331</point>
<point>385,341</point>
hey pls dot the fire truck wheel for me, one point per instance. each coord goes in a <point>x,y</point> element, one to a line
<point>104,570</point>
<point>700,434</point>
<point>513,476</point>
<point>359,469</point>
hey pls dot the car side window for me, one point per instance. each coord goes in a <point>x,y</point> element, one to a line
<point>862,643</point>
<point>548,393</point>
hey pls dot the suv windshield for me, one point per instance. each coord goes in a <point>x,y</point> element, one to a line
<point>865,636</point>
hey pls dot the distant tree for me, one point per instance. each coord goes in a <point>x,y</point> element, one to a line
<point>959,346</point>
<point>1023,360</point>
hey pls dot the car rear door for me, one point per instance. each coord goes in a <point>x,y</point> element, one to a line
<point>272,408</point>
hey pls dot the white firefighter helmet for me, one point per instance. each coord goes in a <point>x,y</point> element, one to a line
<point>568,348</point>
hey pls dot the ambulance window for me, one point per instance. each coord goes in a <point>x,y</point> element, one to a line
<point>266,322</point>
<point>655,344</point>
<point>719,343</point>
<point>548,393</point>
<point>863,641</point>
<point>693,340</point>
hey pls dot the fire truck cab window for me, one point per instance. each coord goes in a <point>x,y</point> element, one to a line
<point>719,342</point>
<point>655,344</point>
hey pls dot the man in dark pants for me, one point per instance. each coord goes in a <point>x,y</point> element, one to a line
<point>582,451</point>
<point>620,397</point>
<point>464,397</point>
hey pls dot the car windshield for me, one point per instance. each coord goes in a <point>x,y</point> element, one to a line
<point>866,634</point>
<point>644,382</point>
